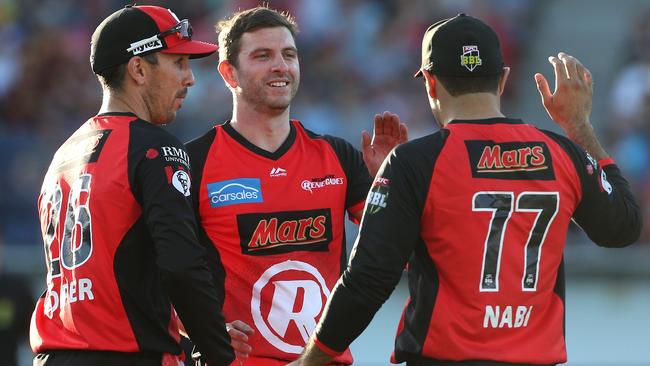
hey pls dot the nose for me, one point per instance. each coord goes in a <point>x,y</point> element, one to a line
<point>189,78</point>
<point>280,65</point>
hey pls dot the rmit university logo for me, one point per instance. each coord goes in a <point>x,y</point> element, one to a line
<point>296,292</point>
<point>234,192</point>
<point>285,231</point>
<point>510,160</point>
<point>470,58</point>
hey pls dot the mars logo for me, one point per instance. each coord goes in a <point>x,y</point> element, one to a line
<point>289,284</point>
<point>285,231</point>
<point>510,160</point>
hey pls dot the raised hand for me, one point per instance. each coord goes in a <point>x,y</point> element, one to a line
<point>570,104</point>
<point>388,132</point>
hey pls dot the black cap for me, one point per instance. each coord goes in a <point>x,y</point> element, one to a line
<point>135,30</point>
<point>461,46</point>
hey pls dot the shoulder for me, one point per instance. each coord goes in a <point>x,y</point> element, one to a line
<point>425,146</point>
<point>202,142</point>
<point>145,133</point>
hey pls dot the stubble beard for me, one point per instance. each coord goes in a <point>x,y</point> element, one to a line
<point>261,101</point>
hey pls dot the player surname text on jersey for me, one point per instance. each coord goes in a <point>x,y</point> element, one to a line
<point>80,289</point>
<point>506,316</point>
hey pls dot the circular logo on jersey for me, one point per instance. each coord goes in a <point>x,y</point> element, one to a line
<point>181,181</point>
<point>286,303</point>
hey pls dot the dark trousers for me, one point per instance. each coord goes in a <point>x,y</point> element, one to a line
<point>97,358</point>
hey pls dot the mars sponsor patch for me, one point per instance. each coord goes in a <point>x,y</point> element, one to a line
<point>285,231</point>
<point>530,160</point>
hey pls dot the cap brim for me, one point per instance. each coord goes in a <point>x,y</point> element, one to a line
<point>196,49</point>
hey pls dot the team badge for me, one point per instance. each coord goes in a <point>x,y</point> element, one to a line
<point>470,58</point>
<point>378,195</point>
<point>289,319</point>
<point>181,181</point>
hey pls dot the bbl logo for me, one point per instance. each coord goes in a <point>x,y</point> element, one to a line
<point>470,58</point>
<point>378,195</point>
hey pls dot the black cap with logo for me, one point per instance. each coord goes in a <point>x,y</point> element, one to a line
<point>139,30</point>
<point>461,46</point>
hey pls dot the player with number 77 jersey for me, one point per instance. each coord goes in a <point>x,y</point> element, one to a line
<point>480,211</point>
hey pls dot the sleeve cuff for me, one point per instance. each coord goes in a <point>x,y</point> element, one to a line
<point>605,162</point>
<point>325,349</point>
<point>358,207</point>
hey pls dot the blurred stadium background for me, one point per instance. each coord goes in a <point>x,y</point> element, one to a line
<point>357,59</point>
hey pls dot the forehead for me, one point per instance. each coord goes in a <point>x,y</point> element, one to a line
<point>274,38</point>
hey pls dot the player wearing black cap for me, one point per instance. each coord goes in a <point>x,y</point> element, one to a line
<point>478,212</point>
<point>116,214</point>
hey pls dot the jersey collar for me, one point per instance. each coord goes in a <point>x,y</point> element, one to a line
<point>489,121</point>
<point>277,154</point>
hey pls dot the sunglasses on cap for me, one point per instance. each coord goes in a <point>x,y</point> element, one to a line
<point>183,28</point>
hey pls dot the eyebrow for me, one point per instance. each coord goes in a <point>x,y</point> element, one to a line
<point>266,49</point>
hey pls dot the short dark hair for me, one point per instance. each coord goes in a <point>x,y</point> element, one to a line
<point>113,77</point>
<point>231,30</point>
<point>459,85</point>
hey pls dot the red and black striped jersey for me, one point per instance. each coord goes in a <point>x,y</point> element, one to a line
<point>121,247</point>
<point>275,223</point>
<point>479,213</point>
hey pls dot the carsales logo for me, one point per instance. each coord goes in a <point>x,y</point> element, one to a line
<point>297,295</point>
<point>235,191</point>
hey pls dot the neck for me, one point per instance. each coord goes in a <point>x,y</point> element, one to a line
<point>113,101</point>
<point>263,129</point>
<point>469,106</point>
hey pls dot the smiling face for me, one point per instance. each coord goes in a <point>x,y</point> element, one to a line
<point>267,74</point>
<point>167,85</point>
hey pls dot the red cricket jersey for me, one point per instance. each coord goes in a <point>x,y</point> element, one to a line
<point>276,223</point>
<point>120,242</point>
<point>480,212</point>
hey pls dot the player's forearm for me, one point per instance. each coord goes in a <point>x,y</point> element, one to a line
<point>582,133</point>
<point>314,356</point>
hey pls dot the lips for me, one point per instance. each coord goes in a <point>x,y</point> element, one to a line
<point>182,94</point>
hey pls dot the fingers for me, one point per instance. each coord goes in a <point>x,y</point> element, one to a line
<point>378,127</point>
<point>559,70</point>
<point>403,133</point>
<point>569,65</point>
<point>387,124</point>
<point>366,142</point>
<point>239,332</point>
<point>242,327</point>
<point>543,88</point>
